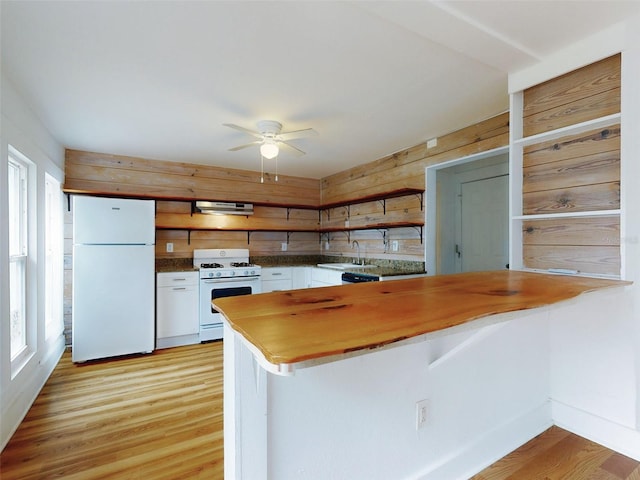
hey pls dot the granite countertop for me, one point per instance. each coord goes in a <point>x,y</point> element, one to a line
<point>381,268</point>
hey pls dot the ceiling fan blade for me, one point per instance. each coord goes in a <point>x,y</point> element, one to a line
<point>243,130</point>
<point>292,135</point>
<point>247,145</point>
<point>290,147</point>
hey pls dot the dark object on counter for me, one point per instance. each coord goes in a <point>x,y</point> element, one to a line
<point>349,277</point>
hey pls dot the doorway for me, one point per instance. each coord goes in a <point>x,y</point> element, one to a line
<point>467,214</point>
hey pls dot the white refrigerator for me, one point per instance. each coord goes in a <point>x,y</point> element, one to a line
<point>113,277</point>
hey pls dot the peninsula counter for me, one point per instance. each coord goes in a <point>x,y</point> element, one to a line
<point>475,348</point>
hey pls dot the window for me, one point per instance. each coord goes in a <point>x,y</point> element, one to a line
<point>18,251</point>
<point>53,258</point>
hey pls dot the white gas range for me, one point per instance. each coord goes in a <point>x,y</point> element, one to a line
<point>223,273</point>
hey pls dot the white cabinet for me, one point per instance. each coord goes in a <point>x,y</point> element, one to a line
<point>177,296</point>
<point>300,277</point>
<point>276,278</point>
<point>324,277</point>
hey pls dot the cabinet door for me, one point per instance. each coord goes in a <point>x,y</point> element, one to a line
<point>276,285</point>
<point>177,311</point>
<point>300,277</point>
<point>324,277</point>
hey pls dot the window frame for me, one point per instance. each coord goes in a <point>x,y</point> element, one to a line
<point>23,256</point>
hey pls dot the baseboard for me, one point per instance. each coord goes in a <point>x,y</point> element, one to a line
<point>491,447</point>
<point>620,438</point>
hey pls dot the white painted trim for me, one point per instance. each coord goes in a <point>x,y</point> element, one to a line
<point>616,437</point>
<point>497,443</point>
<point>431,201</point>
<point>598,46</point>
<point>548,216</point>
<point>574,129</point>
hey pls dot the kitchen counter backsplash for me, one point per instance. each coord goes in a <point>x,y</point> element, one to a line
<point>174,264</point>
<point>384,266</point>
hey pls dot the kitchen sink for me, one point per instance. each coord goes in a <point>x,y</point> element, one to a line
<point>344,266</point>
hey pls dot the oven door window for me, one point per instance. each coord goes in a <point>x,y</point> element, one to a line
<point>228,292</point>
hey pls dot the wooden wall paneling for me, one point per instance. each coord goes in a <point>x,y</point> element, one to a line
<point>590,80</point>
<point>600,260</point>
<point>605,196</point>
<point>584,94</point>
<point>88,172</point>
<point>578,173</point>
<point>573,146</point>
<point>575,172</point>
<point>589,108</point>
<point>406,168</point>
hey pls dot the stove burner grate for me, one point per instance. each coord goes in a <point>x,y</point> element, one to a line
<point>242,264</point>
<point>211,265</point>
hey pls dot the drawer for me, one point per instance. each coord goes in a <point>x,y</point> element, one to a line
<point>276,273</point>
<point>276,285</point>
<point>171,279</point>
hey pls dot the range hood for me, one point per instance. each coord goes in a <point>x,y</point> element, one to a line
<point>224,208</point>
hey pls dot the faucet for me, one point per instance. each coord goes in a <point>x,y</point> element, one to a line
<point>357,245</point>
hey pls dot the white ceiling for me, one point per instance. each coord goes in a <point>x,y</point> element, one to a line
<point>157,79</point>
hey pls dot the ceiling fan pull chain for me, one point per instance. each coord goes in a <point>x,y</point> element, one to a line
<point>276,168</point>
<point>261,169</point>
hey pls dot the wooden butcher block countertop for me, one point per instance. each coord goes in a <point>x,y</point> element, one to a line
<point>293,326</point>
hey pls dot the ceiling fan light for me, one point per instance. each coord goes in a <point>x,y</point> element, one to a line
<point>269,150</point>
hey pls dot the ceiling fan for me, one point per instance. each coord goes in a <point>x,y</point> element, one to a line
<point>271,138</point>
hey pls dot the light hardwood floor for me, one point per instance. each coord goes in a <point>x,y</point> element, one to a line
<point>159,416</point>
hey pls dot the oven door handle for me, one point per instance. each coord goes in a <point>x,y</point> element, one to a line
<point>228,279</point>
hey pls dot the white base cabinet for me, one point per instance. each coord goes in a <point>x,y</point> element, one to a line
<point>177,300</point>
<point>322,277</point>
<point>275,279</point>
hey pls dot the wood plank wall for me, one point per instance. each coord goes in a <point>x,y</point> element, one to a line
<point>176,184</point>
<point>97,173</point>
<point>577,173</point>
<point>405,169</point>
<point>103,174</point>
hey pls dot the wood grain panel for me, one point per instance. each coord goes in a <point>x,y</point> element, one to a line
<point>199,221</point>
<point>573,146</point>
<point>582,231</point>
<point>604,196</point>
<point>406,168</point>
<point>602,260</point>
<point>589,108</point>
<point>588,81</point>
<point>575,172</point>
<point>96,173</point>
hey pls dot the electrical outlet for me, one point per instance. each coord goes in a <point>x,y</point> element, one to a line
<point>284,246</point>
<point>432,143</point>
<point>169,247</point>
<point>394,245</point>
<point>422,413</point>
<point>326,245</point>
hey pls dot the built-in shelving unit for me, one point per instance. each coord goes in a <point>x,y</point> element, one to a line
<point>565,177</point>
<point>241,223</point>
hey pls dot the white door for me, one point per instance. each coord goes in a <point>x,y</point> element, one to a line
<point>484,234</point>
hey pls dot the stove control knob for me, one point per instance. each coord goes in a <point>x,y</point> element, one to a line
<point>253,272</point>
<point>246,272</point>
<point>233,274</point>
<point>218,274</point>
<point>210,274</point>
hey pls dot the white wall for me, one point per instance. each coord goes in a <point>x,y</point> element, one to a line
<point>487,390</point>
<point>22,129</point>
<point>595,345</point>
